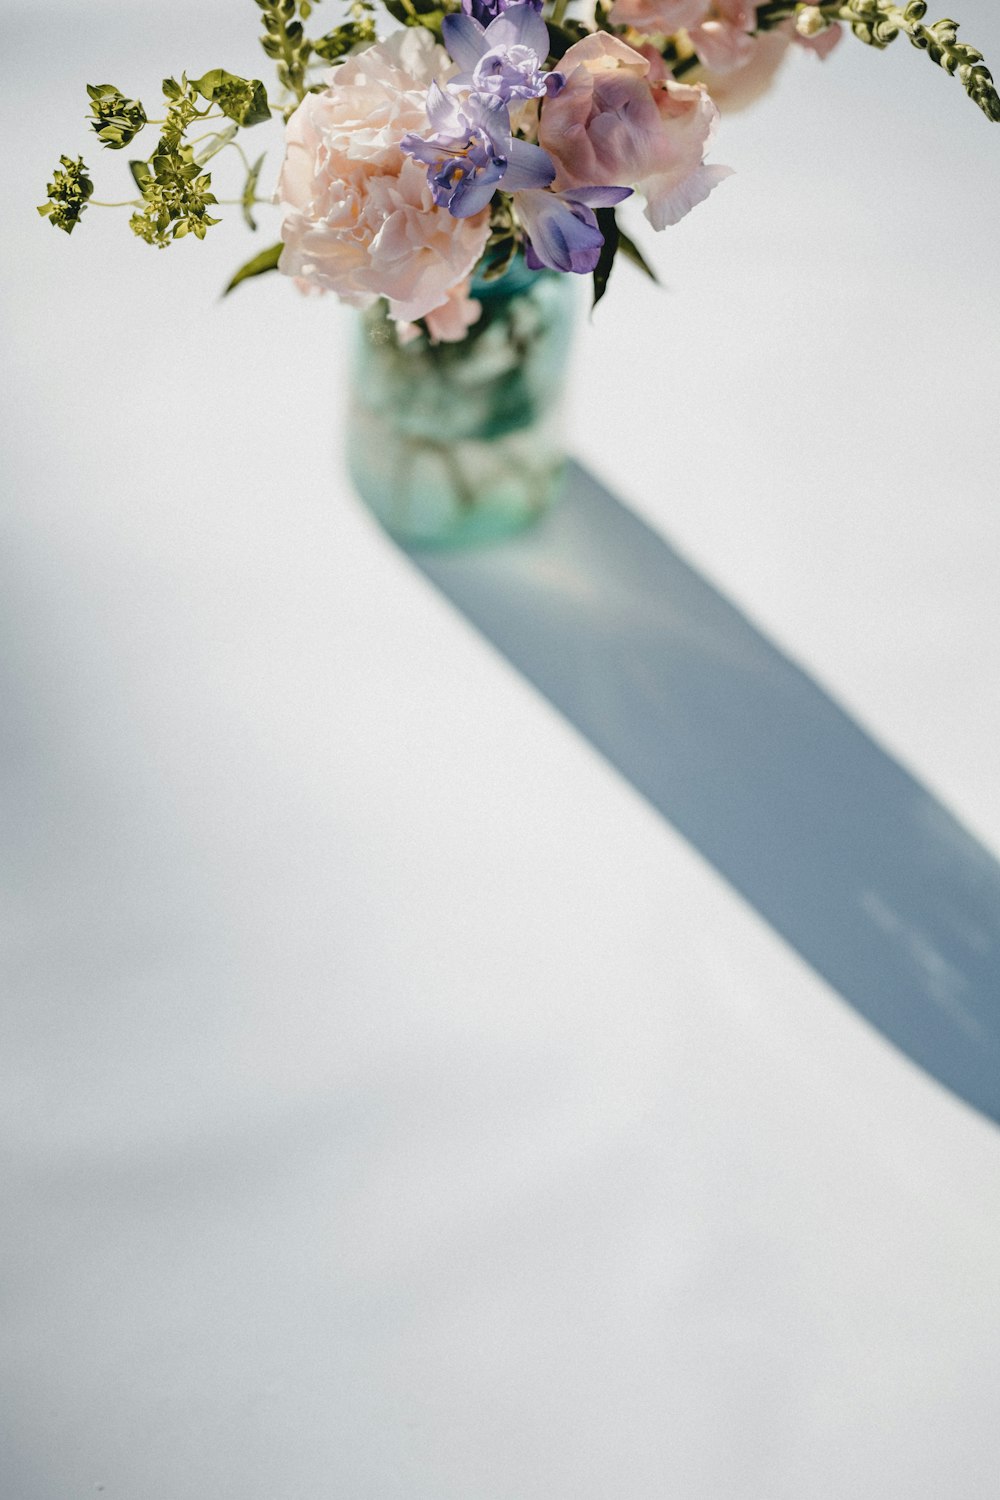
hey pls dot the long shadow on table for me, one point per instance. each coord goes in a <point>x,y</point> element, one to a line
<point>851,860</point>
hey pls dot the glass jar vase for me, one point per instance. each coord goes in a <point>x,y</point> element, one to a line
<point>458,443</point>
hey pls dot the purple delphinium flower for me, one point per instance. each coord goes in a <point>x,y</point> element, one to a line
<point>471,151</point>
<point>464,156</point>
<point>562,227</point>
<point>485,11</point>
<point>506,58</point>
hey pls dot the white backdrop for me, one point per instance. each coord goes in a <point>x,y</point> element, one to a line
<point>395,1108</point>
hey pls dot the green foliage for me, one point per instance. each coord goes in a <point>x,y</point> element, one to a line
<point>241,99</point>
<point>250,193</point>
<point>176,196</point>
<point>562,37</point>
<point>216,143</point>
<point>631,251</point>
<point>343,39</point>
<point>498,257</point>
<point>772,13</point>
<point>608,225</point>
<point>115,119</point>
<point>615,241</point>
<point>504,241</point>
<point>426,13</point>
<point>141,173</point>
<point>602,15</point>
<point>267,260</point>
<point>67,194</point>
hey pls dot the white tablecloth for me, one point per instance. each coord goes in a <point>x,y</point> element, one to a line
<point>395,1107</point>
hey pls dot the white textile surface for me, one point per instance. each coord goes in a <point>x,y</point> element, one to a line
<point>394,1107</point>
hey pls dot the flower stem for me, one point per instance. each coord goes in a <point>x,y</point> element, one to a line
<point>139,202</point>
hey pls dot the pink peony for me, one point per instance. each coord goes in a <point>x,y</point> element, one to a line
<point>613,124</point>
<point>359,219</point>
<point>449,323</point>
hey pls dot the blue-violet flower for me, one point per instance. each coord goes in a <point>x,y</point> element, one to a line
<point>472,150</point>
<point>562,228</point>
<point>506,58</point>
<point>486,11</point>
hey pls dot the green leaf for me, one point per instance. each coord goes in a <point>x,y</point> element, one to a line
<point>241,99</point>
<point>267,260</point>
<point>209,82</point>
<point>632,252</point>
<point>501,252</point>
<point>563,35</point>
<point>250,192</point>
<point>215,145</point>
<point>608,225</point>
<point>426,13</point>
<point>602,16</point>
<point>142,174</point>
<point>339,42</point>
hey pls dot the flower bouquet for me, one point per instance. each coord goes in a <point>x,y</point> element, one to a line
<point>449,172</point>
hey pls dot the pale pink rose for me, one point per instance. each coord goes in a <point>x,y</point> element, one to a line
<point>613,126</point>
<point>733,91</point>
<point>359,219</point>
<point>659,16</point>
<point>719,30</point>
<point>724,44</point>
<point>736,90</point>
<point>723,41</point>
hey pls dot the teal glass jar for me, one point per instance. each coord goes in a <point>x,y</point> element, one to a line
<point>451,444</point>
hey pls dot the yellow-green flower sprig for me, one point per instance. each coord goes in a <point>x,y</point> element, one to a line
<point>176,193</point>
<point>176,196</point>
<point>68,192</point>
<point>115,119</point>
